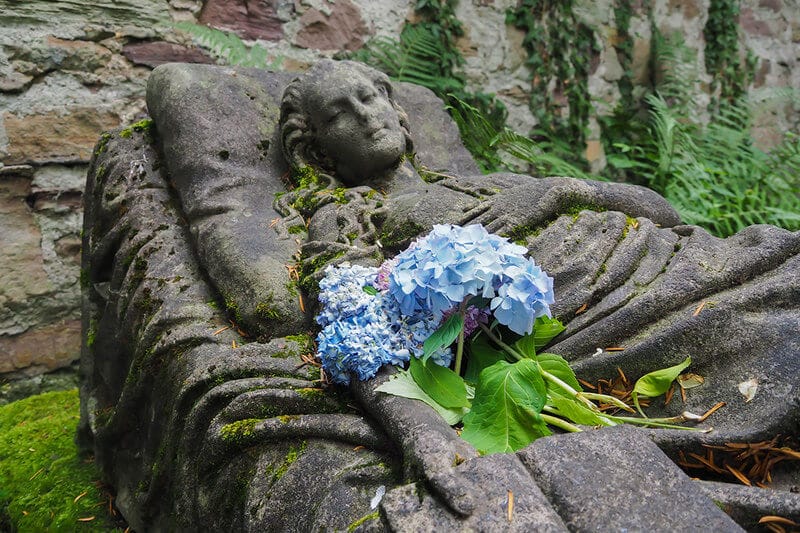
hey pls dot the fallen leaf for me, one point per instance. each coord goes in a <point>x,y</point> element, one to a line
<point>748,389</point>
<point>690,381</point>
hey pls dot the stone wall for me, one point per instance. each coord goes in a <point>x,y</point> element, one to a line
<point>69,70</point>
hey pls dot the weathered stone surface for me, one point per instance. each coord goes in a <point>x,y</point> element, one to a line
<point>161,358</point>
<point>55,137</point>
<point>251,19</point>
<point>157,53</point>
<point>22,273</point>
<point>747,505</point>
<point>139,17</point>
<point>616,479</point>
<point>43,349</point>
<point>342,29</point>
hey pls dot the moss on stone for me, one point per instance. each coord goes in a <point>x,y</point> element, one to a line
<point>296,229</point>
<point>91,333</point>
<point>291,457</point>
<point>239,432</point>
<point>393,238</point>
<point>143,126</point>
<point>233,309</point>
<point>285,419</point>
<point>366,518</point>
<point>44,484</point>
<point>266,310</point>
<point>102,144</point>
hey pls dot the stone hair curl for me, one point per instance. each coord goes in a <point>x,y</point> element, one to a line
<point>298,139</point>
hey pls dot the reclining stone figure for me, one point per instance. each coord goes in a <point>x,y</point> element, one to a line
<point>198,421</point>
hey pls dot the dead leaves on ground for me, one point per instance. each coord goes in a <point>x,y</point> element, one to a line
<point>750,463</point>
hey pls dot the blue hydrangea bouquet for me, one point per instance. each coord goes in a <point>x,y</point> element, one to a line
<point>465,298</point>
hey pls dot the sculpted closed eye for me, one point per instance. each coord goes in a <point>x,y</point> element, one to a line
<point>334,116</point>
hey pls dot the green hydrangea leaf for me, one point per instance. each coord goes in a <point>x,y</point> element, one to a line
<point>575,411</point>
<point>440,383</point>
<point>558,366</point>
<point>481,355</point>
<point>444,336</point>
<point>505,412</point>
<point>369,289</point>
<point>403,384</point>
<point>658,382</point>
<point>545,329</point>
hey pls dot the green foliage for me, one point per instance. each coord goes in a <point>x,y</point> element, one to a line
<point>731,72</point>
<point>444,336</point>
<point>560,48</point>
<point>44,485</point>
<point>505,412</point>
<point>658,382</point>
<point>427,54</point>
<point>403,384</point>
<point>229,48</point>
<point>443,385</point>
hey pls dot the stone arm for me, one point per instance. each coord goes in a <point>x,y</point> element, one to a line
<point>219,135</point>
<point>516,205</point>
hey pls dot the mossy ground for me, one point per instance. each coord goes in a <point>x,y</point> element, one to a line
<point>44,484</point>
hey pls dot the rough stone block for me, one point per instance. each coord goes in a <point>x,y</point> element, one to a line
<point>251,19</point>
<point>343,29</point>
<point>40,350</point>
<point>56,136</point>
<point>616,479</point>
<point>157,53</point>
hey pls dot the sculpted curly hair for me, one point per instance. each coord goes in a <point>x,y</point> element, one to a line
<point>298,137</point>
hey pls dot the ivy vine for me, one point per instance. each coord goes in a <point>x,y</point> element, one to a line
<point>730,73</point>
<point>560,49</point>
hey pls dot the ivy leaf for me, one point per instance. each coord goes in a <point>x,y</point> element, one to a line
<point>546,329</point>
<point>505,412</point>
<point>403,384</point>
<point>444,336</point>
<point>369,289</point>
<point>558,366</point>
<point>481,355</point>
<point>658,382</point>
<point>440,383</point>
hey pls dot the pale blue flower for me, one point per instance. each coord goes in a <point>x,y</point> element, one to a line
<point>453,263</point>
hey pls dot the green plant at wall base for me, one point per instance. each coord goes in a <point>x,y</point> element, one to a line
<point>44,484</point>
<point>427,54</point>
<point>229,48</point>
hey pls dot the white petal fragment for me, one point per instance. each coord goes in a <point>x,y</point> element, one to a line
<point>748,389</point>
<point>376,500</point>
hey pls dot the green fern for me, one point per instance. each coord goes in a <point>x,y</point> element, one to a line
<point>229,48</point>
<point>417,57</point>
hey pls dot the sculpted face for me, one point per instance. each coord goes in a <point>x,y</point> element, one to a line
<point>354,124</point>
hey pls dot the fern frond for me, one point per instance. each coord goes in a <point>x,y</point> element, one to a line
<point>229,48</point>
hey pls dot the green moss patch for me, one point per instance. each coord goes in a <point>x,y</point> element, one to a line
<point>44,485</point>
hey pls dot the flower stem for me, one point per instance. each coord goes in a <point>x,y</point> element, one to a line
<point>560,423</point>
<point>605,398</point>
<point>509,350</point>
<point>459,350</point>
<point>657,422</point>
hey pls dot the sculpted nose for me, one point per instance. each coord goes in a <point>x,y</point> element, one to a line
<point>365,113</point>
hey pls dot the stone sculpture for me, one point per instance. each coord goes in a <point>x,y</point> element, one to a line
<point>197,425</point>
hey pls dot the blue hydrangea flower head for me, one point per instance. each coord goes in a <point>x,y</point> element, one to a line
<point>452,263</point>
